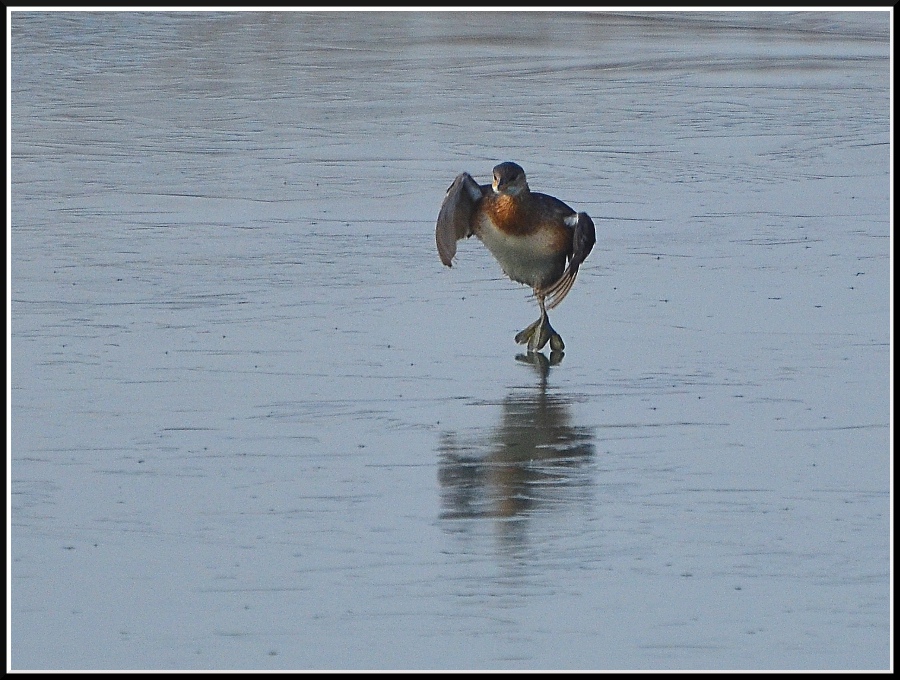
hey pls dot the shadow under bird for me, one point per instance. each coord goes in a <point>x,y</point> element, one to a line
<point>537,239</point>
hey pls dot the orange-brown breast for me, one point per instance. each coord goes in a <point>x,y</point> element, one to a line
<point>510,215</point>
<point>524,216</point>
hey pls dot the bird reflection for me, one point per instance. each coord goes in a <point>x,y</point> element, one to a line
<point>535,457</point>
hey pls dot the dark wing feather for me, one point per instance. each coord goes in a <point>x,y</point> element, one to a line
<point>454,222</point>
<point>583,239</point>
<point>550,205</point>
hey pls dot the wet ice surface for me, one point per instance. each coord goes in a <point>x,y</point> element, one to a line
<point>256,424</point>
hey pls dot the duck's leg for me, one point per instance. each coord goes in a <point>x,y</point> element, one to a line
<point>538,333</point>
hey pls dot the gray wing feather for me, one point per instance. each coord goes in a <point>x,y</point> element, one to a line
<point>454,222</point>
<point>583,239</point>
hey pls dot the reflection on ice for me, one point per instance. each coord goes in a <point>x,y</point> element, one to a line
<point>534,457</point>
<point>540,360</point>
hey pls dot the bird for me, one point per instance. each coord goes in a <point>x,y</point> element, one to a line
<point>538,240</point>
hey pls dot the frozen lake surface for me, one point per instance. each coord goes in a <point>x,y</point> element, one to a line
<point>256,424</point>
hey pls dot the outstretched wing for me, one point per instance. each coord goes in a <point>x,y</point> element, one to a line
<point>583,239</point>
<point>455,219</point>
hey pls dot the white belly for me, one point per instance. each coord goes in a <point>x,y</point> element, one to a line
<point>526,259</point>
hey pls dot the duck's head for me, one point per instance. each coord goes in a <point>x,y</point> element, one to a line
<point>509,178</point>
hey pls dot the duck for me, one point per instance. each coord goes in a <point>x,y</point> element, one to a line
<point>537,239</point>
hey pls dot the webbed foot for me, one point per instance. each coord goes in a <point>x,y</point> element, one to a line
<point>538,334</point>
<point>556,342</point>
<point>524,336</point>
